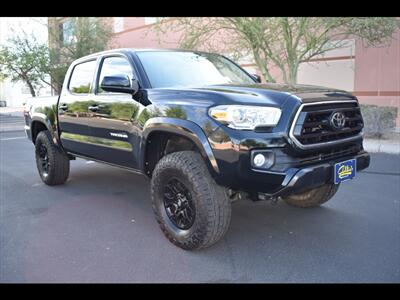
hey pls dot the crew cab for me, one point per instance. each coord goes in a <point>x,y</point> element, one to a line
<point>203,130</point>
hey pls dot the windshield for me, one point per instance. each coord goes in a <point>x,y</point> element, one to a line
<point>182,69</point>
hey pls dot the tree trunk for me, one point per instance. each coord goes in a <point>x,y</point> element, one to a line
<point>31,89</point>
<point>262,65</point>
<point>58,89</point>
<point>293,70</point>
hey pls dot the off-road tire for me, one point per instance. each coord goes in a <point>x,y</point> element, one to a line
<point>58,168</point>
<point>211,203</point>
<point>314,197</point>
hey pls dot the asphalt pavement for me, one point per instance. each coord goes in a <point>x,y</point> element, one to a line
<point>99,227</point>
<point>11,120</point>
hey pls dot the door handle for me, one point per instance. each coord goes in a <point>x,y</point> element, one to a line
<point>63,106</point>
<point>93,108</point>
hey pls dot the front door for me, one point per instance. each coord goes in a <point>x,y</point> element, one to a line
<point>112,119</point>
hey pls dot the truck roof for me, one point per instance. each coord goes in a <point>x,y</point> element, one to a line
<point>132,50</point>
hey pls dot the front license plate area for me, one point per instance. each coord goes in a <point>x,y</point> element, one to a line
<point>344,171</point>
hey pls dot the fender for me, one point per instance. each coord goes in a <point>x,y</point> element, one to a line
<point>50,125</point>
<point>186,128</point>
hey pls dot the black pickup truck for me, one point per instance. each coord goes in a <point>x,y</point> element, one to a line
<point>203,130</point>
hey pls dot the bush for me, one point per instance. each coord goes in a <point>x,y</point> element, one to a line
<point>378,120</point>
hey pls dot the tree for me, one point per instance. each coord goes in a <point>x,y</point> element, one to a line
<point>24,59</point>
<point>32,62</point>
<point>281,42</point>
<point>78,37</point>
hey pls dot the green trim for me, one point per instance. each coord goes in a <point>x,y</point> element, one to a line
<point>120,145</point>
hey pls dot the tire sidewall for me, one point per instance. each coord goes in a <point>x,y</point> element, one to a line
<point>42,139</point>
<point>179,235</point>
<point>314,197</point>
<point>58,170</point>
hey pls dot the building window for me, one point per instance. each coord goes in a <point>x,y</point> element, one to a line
<point>66,32</point>
<point>118,24</point>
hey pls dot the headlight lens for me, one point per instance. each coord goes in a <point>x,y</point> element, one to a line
<point>246,117</point>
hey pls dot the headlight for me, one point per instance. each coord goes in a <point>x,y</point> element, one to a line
<point>245,117</point>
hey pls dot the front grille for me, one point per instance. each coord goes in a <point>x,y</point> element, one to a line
<point>313,124</point>
<point>331,153</point>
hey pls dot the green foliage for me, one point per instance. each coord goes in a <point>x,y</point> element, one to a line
<point>90,35</point>
<point>148,113</point>
<point>80,106</point>
<point>373,30</point>
<point>144,116</point>
<point>24,59</point>
<point>27,60</point>
<point>83,89</point>
<point>124,111</point>
<point>281,42</point>
<point>176,112</point>
<point>378,120</point>
<point>49,111</point>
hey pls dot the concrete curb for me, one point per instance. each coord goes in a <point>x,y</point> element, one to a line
<point>7,110</point>
<point>382,146</point>
<point>12,129</point>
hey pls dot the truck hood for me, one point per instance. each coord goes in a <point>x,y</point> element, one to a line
<point>254,94</point>
<point>305,93</point>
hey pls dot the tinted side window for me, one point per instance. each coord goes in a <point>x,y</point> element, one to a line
<point>82,76</point>
<point>113,66</point>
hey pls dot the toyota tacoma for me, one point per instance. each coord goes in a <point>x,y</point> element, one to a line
<point>203,130</point>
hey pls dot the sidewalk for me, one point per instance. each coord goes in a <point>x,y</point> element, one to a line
<point>11,119</point>
<point>11,111</point>
<point>391,146</point>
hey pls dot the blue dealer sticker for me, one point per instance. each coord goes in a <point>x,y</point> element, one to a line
<point>345,170</point>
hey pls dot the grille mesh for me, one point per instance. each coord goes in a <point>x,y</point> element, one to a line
<point>313,124</point>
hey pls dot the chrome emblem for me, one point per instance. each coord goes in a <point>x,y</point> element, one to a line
<point>338,120</point>
<point>118,134</point>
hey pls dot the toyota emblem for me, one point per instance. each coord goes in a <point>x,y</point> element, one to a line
<point>338,120</point>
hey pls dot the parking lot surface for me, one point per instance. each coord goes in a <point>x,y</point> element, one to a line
<point>99,227</point>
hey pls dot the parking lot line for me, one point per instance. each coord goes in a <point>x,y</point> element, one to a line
<point>13,138</point>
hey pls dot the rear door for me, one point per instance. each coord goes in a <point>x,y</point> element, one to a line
<point>73,108</point>
<point>112,120</point>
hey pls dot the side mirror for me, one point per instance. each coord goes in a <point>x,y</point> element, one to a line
<point>257,77</point>
<point>119,84</point>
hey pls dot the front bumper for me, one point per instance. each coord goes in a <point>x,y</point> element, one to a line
<point>294,179</point>
<point>314,176</point>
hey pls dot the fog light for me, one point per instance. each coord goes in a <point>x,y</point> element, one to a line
<point>259,160</point>
<point>262,159</point>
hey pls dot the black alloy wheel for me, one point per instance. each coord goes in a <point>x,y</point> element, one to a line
<point>193,211</point>
<point>43,160</point>
<point>179,204</point>
<point>51,161</point>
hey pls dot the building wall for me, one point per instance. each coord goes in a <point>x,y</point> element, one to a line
<point>137,34</point>
<point>377,75</point>
<point>372,74</point>
<point>333,69</point>
<point>16,93</point>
